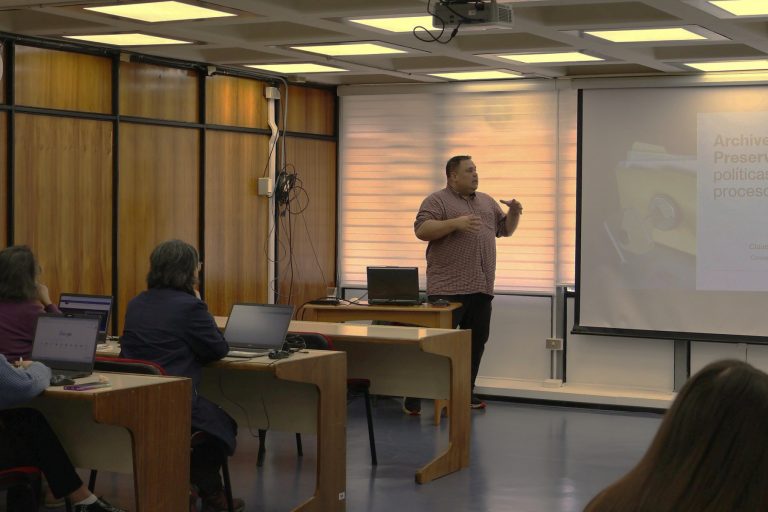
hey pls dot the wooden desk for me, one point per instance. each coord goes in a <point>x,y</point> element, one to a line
<point>423,315</point>
<point>411,361</point>
<point>139,425</point>
<point>305,393</point>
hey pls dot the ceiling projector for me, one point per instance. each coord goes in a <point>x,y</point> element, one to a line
<point>477,13</point>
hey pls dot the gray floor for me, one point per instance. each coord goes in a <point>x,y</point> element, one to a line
<point>524,458</point>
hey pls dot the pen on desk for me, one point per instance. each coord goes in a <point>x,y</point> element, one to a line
<point>88,386</point>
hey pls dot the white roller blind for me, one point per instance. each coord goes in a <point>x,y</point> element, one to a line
<point>392,155</point>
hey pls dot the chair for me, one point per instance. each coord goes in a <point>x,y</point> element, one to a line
<point>319,341</point>
<point>22,486</point>
<point>124,365</point>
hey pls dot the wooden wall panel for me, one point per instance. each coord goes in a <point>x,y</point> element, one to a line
<point>3,178</point>
<point>63,80</point>
<point>4,77</point>
<point>236,220</point>
<point>234,101</point>
<point>311,111</point>
<point>158,92</point>
<point>158,198</point>
<point>315,162</point>
<point>63,200</point>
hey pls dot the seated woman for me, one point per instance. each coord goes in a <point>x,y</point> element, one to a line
<point>709,453</point>
<point>22,299</point>
<point>169,325</point>
<point>26,439</point>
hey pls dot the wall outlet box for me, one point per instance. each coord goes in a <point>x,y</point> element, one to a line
<point>272,93</point>
<point>553,383</point>
<point>266,187</point>
<point>554,344</point>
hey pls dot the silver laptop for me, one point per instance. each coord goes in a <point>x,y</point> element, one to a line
<point>254,329</point>
<point>66,344</point>
<point>99,306</point>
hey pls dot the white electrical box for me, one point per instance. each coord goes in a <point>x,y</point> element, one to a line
<point>266,187</point>
<point>272,93</point>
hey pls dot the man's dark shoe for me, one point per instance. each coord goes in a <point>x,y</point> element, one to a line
<point>412,406</point>
<point>476,403</point>
<point>100,505</point>
<point>217,502</point>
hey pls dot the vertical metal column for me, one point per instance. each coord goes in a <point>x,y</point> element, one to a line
<point>682,363</point>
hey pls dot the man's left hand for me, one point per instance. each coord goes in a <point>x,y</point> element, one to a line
<point>514,206</point>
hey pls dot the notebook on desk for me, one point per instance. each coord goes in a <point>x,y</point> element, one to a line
<point>99,306</point>
<point>393,285</point>
<point>254,329</point>
<point>66,344</point>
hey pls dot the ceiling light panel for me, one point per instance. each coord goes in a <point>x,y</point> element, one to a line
<point>349,49</point>
<point>493,74</point>
<point>743,7</point>
<point>130,39</point>
<point>298,67</point>
<point>548,58</point>
<point>396,24</point>
<point>730,65</point>
<point>154,12</point>
<point>647,35</point>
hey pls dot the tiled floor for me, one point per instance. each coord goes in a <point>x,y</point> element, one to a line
<point>524,458</point>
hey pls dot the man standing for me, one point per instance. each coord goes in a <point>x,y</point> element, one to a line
<point>461,225</point>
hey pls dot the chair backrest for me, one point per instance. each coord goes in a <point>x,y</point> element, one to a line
<point>124,365</point>
<point>315,340</point>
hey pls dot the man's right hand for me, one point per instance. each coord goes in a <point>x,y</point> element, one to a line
<point>467,223</point>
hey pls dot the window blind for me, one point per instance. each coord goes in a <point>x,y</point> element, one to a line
<point>392,155</point>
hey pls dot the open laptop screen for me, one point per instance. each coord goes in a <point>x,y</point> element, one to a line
<point>396,285</point>
<point>99,306</point>
<point>66,342</point>
<point>258,326</point>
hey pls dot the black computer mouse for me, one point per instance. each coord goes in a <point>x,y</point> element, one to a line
<point>440,303</point>
<point>60,380</point>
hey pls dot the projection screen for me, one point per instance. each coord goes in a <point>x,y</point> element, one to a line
<point>673,213</point>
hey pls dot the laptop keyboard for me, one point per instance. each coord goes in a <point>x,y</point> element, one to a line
<point>247,354</point>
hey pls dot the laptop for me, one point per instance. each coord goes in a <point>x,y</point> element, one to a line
<point>393,285</point>
<point>81,304</point>
<point>66,344</point>
<point>256,329</point>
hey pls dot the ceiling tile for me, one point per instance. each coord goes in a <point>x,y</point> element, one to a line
<point>608,69</point>
<point>271,31</point>
<point>594,14</point>
<point>28,21</point>
<point>504,41</point>
<point>432,62</point>
<point>711,51</point>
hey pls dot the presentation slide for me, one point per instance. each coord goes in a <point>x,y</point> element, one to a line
<point>674,211</point>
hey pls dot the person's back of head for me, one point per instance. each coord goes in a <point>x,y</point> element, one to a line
<point>18,273</point>
<point>173,264</point>
<point>709,453</point>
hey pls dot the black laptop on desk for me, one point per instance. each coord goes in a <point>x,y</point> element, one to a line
<point>255,329</point>
<point>99,306</point>
<point>393,285</point>
<point>66,344</point>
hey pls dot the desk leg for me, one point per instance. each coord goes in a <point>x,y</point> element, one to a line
<point>159,420</point>
<point>457,349</point>
<point>329,375</point>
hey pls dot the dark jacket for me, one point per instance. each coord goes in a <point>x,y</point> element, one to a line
<point>174,329</point>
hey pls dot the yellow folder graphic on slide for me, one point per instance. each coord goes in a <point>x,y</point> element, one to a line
<point>657,193</point>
